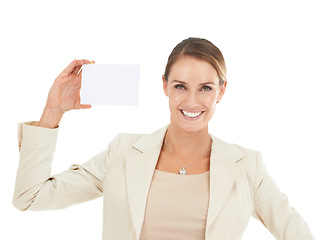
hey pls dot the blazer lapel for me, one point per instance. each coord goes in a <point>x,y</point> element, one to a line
<point>223,173</point>
<point>140,168</point>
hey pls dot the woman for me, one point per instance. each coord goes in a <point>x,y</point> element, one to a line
<point>179,182</point>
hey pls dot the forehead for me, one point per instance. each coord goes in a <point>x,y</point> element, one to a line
<point>193,70</point>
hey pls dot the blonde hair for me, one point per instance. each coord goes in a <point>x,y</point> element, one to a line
<point>202,49</point>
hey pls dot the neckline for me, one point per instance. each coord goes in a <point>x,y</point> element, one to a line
<point>182,175</point>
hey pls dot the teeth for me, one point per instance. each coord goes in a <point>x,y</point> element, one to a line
<point>191,114</point>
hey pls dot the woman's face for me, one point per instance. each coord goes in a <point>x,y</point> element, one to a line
<point>193,90</point>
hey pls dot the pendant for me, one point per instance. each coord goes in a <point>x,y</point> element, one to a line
<point>182,171</point>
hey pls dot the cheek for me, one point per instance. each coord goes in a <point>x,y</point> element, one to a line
<point>210,101</point>
<point>213,109</point>
<point>175,99</point>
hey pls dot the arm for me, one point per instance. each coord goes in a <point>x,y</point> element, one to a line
<point>272,208</point>
<point>36,189</point>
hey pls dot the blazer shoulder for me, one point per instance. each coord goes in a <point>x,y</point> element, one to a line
<point>247,159</point>
<point>139,141</point>
<point>246,150</point>
<point>126,140</point>
<point>129,139</point>
<point>224,147</point>
<point>252,162</point>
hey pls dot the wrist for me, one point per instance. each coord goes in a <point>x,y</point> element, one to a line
<point>50,118</point>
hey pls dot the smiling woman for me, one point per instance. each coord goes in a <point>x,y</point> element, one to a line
<point>193,90</point>
<point>180,182</point>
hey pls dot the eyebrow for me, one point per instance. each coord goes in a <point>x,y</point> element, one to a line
<point>206,83</point>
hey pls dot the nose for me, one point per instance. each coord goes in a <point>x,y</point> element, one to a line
<point>192,99</point>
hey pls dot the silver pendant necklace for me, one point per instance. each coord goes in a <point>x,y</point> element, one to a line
<point>182,171</point>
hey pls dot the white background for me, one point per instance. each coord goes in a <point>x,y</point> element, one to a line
<point>274,101</point>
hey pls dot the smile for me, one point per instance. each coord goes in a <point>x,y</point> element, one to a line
<point>191,114</point>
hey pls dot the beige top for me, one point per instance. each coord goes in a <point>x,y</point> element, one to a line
<point>177,207</point>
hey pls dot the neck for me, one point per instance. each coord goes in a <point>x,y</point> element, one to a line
<point>184,143</point>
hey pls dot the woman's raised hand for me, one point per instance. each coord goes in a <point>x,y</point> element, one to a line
<point>64,94</point>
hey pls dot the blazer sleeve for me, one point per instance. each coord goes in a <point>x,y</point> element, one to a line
<point>271,207</point>
<point>36,189</point>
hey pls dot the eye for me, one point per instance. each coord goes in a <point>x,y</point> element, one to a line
<point>179,86</point>
<point>206,88</point>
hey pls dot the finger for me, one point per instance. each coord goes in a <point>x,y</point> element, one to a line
<point>78,67</point>
<point>82,106</point>
<point>71,67</point>
<point>80,75</point>
<point>85,106</point>
<point>76,70</point>
<point>86,62</point>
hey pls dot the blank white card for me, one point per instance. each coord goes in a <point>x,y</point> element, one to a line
<point>110,84</point>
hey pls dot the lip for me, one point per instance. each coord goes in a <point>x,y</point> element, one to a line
<point>191,118</point>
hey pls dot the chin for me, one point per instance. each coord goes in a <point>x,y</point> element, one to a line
<point>193,128</point>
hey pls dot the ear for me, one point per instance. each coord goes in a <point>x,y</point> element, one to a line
<point>165,83</point>
<point>222,91</point>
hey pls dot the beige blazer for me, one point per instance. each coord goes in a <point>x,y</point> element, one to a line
<point>239,186</point>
